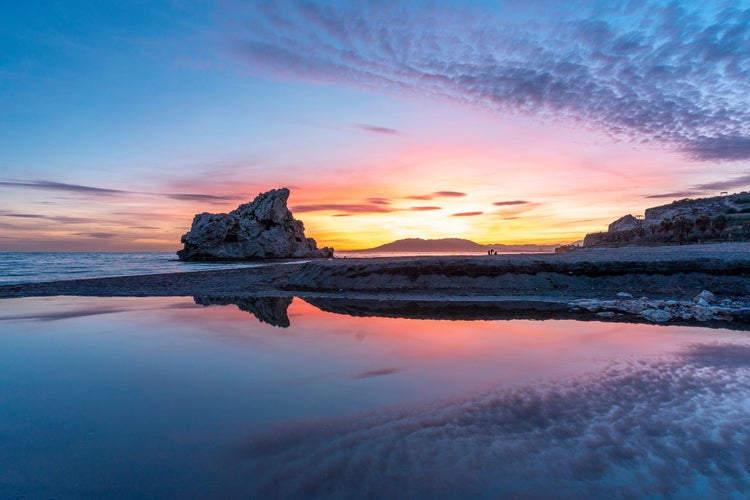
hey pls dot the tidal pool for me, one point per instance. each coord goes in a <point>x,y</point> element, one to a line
<point>165,397</point>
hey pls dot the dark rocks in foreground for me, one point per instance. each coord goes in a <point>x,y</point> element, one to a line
<point>262,229</point>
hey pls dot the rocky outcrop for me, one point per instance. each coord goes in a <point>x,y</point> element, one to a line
<point>715,219</point>
<point>691,208</point>
<point>625,223</point>
<point>262,229</point>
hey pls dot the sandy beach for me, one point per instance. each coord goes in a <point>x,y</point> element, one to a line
<point>657,284</point>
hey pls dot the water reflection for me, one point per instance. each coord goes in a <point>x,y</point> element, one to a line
<point>162,397</point>
<point>273,310</point>
<point>679,428</point>
<point>270,310</point>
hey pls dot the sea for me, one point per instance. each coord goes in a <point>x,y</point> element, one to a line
<point>34,267</point>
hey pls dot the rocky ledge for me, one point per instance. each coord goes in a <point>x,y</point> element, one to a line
<point>262,229</point>
<point>704,307</point>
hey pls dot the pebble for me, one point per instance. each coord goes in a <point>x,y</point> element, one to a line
<point>706,296</point>
<point>656,315</point>
<point>624,295</point>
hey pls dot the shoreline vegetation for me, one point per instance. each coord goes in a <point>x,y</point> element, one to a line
<point>707,285</point>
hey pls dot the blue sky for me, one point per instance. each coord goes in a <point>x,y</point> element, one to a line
<point>347,101</point>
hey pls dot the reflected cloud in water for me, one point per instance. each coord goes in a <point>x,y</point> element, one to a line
<point>95,308</point>
<point>659,428</point>
<point>376,373</point>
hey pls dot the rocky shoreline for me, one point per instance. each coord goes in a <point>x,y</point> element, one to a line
<point>696,284</point>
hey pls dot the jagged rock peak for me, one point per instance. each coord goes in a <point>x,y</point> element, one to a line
<point>261,229</point>
<point>269,207</point>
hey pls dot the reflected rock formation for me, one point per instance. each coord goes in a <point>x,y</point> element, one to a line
<point>464,310</point>
<point>273,310</point>
<point>677,427</point>
<point>468,310</point>
<point>270,310</point>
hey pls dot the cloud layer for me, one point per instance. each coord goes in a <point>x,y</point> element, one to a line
<point>643,71</point>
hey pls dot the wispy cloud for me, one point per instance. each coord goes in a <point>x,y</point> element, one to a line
<point>54,218</point>
<point>651,70</point>
<point>376,129</point>
<point>424,209</point>
<point>379,201</point>
<point>209,198</point>
<point>101,236</point>
<point>436,194</point>
<point>24,216</point>
<point>467,214</point>
<point>510,203</point>
<point>742,181</point>
<point>673,196</point>
<point>364,208</point>
<point>82,189</point>
<point>61,186</point>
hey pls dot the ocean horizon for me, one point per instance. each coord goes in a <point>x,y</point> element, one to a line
<point>35,267</point>
<point>18,268</point>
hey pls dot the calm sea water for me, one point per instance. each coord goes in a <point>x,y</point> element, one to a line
<point>166,398</point>
<point>33,267</point>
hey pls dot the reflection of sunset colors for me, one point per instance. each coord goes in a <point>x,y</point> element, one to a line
<point>423,349</point>
<point>118,129</point>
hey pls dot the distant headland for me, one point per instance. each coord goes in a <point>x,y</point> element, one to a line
<point>702,220</point>
<point>452,245</point>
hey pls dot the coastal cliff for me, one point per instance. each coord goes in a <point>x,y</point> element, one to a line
<point>702,220</point>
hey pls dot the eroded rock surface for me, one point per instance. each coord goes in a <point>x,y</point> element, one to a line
<point>262,229</point>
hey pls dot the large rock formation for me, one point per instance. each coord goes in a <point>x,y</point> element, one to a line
<point>262,229</point>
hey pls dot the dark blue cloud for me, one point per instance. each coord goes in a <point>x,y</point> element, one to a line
<point>48,185</point>
<point>98,235</point>
<point>742,181</point>
<point>641,70</point>
<point>60,186</point>
<point>377,129</point>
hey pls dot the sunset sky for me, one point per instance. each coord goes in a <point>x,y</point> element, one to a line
<point>500,122</point>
